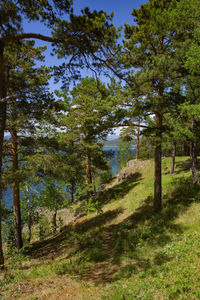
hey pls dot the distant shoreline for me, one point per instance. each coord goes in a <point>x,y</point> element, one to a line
<point>133,147</point>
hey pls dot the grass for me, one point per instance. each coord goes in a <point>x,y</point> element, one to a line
<point>126,252</point>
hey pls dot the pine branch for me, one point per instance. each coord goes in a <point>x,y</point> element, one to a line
<point>7,98</point>
<point>30,35</point>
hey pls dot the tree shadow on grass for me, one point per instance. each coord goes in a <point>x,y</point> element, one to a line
<point>53,245</point>
<point>143,229</point>
<point>182,166</point>
<point>97,249</point>
<point>119,190</point>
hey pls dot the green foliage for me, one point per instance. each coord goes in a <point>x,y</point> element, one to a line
<point>8,232</point>
<point>124,153</point>
<point>105,177</point>
<point>44,229</point>
<point>93,205</point>
<point>16,258</point>
<point>146,148</point>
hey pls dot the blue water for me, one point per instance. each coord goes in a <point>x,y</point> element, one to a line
<point>115,166</point>
<point>114,163</point>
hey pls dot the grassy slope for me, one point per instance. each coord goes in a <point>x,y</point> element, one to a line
<point>126,252</point>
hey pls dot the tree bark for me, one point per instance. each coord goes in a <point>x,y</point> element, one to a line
<point>72,192</point>
<point>2,128</point>
<point>195,175</point>
<point>16,193</point>
<point>183,148</point>
<point>193,156</point>
<point>88,172</point>
<point>1,244</point>
<point>157,205</point>
<point>138,140</point>
<point>173,158</point>
<point>29,221</point>
<point>87,166</point>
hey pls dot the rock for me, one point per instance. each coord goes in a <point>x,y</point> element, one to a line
<point>131,163</point>
<point>101,188</point>
<point>122,175</point>
<point>79,216</point>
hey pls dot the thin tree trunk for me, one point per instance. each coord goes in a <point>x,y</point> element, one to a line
<point>29,214</point>
<point>195,174</point>
<point>2,128</point>
<point>88,172</point>
<point>138,140</point>
<point>190,146</point>
<point>158,167</point>
<point>87,167</point>
<point>173,158</point>
<point>72,192</point>
<point>16,193</point>
<point>183,148</point>
<point>193,156</point>
<point>1,244</point>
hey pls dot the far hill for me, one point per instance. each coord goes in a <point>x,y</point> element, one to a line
<point>124,251</point>
<point>113,143</point>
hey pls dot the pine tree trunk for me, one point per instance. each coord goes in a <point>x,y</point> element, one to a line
<point>72,192</point>
<point>1,246</point>
<point>2,128</point>
<point>183,148</point>
<point>195,175</point>
<point>88,172</point>
<point>29,215</point>
<point>16,193</point>
<point>29,226</point>
<point>157,205</point>
<point>138,140</point>
<point>88,167</point>
<point>193,156</point>
<point>190,146</point>
<point>173,158</point>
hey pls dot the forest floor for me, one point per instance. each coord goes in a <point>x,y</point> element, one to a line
<point>124,252</point>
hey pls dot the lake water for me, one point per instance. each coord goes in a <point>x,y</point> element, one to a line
<point>8,195</point>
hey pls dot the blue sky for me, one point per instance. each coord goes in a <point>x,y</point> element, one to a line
<point>121,9</point>
<point>122,15</point>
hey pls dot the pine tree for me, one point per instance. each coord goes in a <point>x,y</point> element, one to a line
<point>29,83</point>
<point>187,42</point>
<point>148,49</point>
<point>77,44</point>
<point>89,120</point>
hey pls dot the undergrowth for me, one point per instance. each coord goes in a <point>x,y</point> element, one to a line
<point>127,250</point>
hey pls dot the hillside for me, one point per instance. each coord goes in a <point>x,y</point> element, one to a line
<point>124,252</point>
<point>114,142</point>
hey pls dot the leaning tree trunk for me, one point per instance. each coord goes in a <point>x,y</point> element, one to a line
<point>16,193</point>
<point>157,205</point>
<point>138,140</point>
<point>2,128</point>
<point>173,158</point>
<point>193,156</point>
